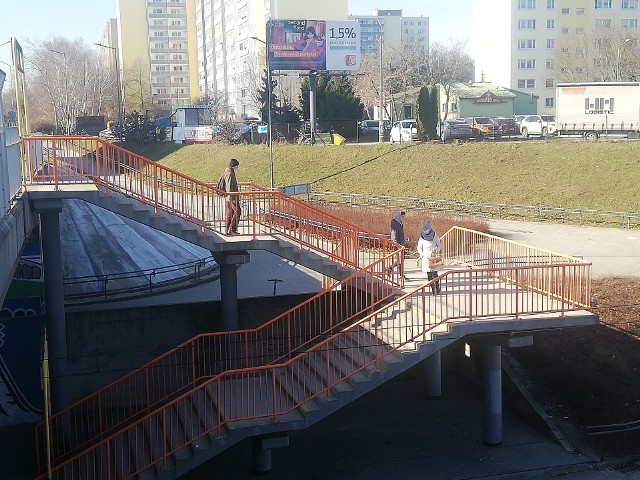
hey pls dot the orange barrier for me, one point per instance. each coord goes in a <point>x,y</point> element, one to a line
<point>243,375</point>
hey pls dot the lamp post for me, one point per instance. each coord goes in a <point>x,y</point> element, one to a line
<point>381,99</point>
<point>65,110</point>
<point>118,86</point>
<point>269,94</point>
<point>618,59</point>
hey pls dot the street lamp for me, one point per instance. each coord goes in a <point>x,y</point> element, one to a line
<point>618,61</point>
<point>381,99</point>
<point>269,93</point>
<point>66,120</point>
<point>118,86</point>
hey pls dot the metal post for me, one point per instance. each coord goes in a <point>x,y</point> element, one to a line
<point>618,59</point>
<point>269,121</point>
<point>118,86</point>
<point>313,86</point>
<point>381,106</point>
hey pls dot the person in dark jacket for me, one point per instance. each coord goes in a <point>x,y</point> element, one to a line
<point>397,228</point>
<point>233,200</point>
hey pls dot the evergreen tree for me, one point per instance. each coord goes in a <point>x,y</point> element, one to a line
<point>284,113</point>
<point>427,113</point>
<point>335,99</point>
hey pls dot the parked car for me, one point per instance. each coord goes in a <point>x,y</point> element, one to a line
<point>404,131</point>
<point>518,119</point>
<point>539,125</point>
<point>368,127</point>
<point>507,125</point>
<point>454,129</point>
<point>483,127</point>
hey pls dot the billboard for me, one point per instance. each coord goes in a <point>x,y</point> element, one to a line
<point>313,45</point>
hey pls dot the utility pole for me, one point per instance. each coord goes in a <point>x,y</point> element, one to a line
<point>381,95</point>
<point>118,86</point>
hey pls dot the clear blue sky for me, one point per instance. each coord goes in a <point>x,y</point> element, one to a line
<point>37,20</point>
<point>28,20</point>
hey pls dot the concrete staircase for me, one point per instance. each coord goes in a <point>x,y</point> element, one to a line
<point>286,397</point>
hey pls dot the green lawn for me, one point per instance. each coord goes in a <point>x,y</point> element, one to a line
<point>603,175</point>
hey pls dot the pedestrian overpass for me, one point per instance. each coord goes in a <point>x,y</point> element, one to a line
<point>217,389</point>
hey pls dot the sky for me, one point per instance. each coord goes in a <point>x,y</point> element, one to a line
<point>27,20</point>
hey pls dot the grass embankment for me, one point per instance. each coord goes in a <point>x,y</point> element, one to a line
<point>599,176</point>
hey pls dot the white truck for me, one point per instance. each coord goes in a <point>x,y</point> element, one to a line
<point>192,124</point>
<point>598,108</point>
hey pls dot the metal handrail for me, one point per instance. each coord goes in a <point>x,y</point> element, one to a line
<point>230,393</point>
<point>564,282</point>
<point>269,212</point>
<point>491,210</point>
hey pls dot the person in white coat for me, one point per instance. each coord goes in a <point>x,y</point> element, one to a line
<point>428,246</point>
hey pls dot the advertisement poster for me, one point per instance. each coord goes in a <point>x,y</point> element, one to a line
<point>313,45</point>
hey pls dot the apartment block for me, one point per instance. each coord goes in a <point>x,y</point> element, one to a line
<point>230,39</point>
<point>157,53</point>
<point>531,45</point>
<point>398,32</point>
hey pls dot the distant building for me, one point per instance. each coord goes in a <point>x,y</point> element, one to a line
<point>397,31</point>
<point>531,45</point>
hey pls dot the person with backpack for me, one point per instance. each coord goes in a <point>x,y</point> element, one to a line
<point>229,184</point>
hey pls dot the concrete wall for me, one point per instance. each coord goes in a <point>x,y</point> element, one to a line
<point>105,345</point>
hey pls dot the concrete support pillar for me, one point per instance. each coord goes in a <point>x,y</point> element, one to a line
<point>433,375</point>
<point>262,446</point>
<point>492,384</point>
<point>228,262</point>
<point>49,211</point>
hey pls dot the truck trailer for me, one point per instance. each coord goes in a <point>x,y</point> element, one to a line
<point>593,109</point>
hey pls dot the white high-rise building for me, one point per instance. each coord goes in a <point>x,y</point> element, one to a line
<point>531,45</point>
<point>230,63</point>
<point>397,31</point>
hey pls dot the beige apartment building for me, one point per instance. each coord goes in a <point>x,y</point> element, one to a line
<point>531,45</point>
<point>178,52</point>
<point>156,52</point>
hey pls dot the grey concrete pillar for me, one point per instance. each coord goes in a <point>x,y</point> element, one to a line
<point>492,385</point>
<point>262,446</point>
<point>49,211</point>
<point>228,262</point>
<point>433,375</point>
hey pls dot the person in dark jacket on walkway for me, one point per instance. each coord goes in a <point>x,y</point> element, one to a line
<point>233,200</point>
<point>397,228</point>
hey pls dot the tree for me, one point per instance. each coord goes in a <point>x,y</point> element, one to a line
<point>591,53</point>
<point>281,112</point>
<point>64,83</point>
<point>335,99</point>
<point>427,112</point>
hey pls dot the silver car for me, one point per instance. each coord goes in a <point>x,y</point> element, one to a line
<point>454,130</point>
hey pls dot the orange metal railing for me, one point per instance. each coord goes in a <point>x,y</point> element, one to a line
<point>273,391</point>
<point>239,367</point>
<point>62,161</point>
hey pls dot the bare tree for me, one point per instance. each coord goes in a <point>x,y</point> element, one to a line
<point>137,90</point>
<point>64,83</point>
<point>591,53</point>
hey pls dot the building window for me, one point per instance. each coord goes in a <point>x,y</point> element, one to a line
<point>604,4</point>
<point>579,11</point>
<point>549,63</point>
<point>603,23</point>
<point>527,4</point>
<point>579,29</point>
<point>551,24</point>
<point>526,24</point>
<point>526,83</point>
<point>548,83</point>
<point>551,43</point>
<point>566,11</point>
<point>565,30</point>
<point>551,4</point>
<point>564,49</point>
<point>548,102</point>
<point>580,50</point>
<point>526,64</point>
<point>629,23</point>
<point>526,44</point>
<point>630,4</point>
